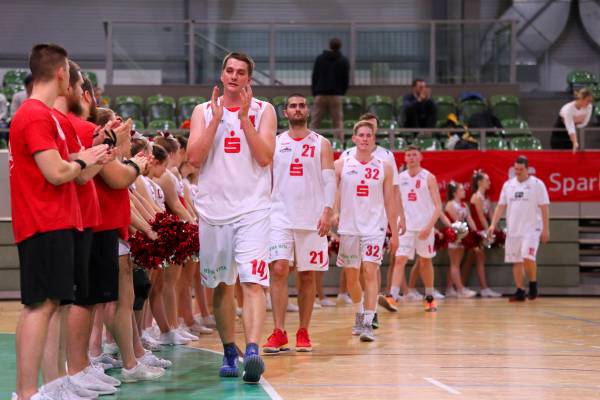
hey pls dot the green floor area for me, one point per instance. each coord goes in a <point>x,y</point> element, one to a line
<point>193,376</point>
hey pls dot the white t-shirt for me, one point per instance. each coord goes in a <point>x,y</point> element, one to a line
<point>233,183</point>
<point>362,208</point>
<point>522,200</point>
<point>298,199</point>
<point>573,117</point>
<point>416,199</point>
<point>381,153</point>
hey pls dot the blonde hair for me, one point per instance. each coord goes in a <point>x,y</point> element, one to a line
<point>362,123</point>
<point>583,93</point>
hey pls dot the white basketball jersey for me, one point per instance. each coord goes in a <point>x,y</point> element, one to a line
<point>362,209</point>
<point>298,198</point>
<point>416,199</point>
<point>233,183</point>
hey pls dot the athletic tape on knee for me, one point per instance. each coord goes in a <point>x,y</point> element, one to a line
<point>330,186</point>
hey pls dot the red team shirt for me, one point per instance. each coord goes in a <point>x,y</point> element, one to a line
<point>86,193</point>
<point>37,205</point>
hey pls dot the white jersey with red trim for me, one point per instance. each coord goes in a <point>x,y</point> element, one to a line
<point>233,183</point>
<point>416,199</point>
<point>461,210</point>
<point>362,209</point>
<point>298,197</point>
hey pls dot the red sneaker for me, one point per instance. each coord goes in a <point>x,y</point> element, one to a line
<point>303,343</point>
<point>276,342</point>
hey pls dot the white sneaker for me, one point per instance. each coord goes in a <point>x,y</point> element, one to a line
<point>208,321</point>
<point>327,302</point>
<point>79,391</point>
<point>150,359</point>
<point>106,359</point>
<point>141,372</point>
<point>437,295</point>
<point>101,376</point>
<point>183,331</point>
<point>344,298</point>
<point>268,302</point>
<point>153,331</point>
<point>150,343</point>
<point>358,324</point>
<point>171,338</point>
<point>291,307</point>
<point>451,292</point>
<point>466,293</point>
<point>317,305</point>
<point>199,329</point>
<point>413,295</point>
<point>88,381</point>
<point>487,292</point>
<point>110,348</point>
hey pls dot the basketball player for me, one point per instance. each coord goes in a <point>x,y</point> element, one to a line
<point>525,200</point>
<point>387,156</point>
<point>366,202</point>
<point>303,198</point>
<point>232,140</point>
<point>45,210</point>
<point>422,208</point>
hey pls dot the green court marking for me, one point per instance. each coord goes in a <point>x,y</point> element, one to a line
<point>194,375</point>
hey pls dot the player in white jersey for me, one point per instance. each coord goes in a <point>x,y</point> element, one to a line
<point>232,141</point>
<point>303,196</point>
<point>422,207</point>
<point>525,200</point>
<point>365,201</point>
<point>387,156</point>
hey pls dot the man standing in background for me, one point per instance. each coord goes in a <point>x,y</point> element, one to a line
<point>330,79</point>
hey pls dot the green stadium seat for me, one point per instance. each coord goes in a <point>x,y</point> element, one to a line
<point>129,107</point>
<point>162,125</point>
<point>262,98</point>
<point>597,112</point>
<point>336,145</point>
<point>595,90</point>
<point>186,105</point>
<point>3,144</point>
<point>444,105</point>
<point>349,143</point>
<point>11,89</point>
<point>505,107</point>
<point>382,106</point>
<point>427,144</point>
<point>160,107</point>
<point>138,125</point>
<point>352,107</point>
<point>579,79</point>
<point>470,107</point>
<point>14,76</point>
<point>385,143</point>
<point>496,143</point>
<point>400,143</point>
<point>515,127</point>
<point>399,111</point>
<point>326,124</point>
<point>349,124</point>
<point>387,124</point>
<point>91,76</point>
<point>526,143</point>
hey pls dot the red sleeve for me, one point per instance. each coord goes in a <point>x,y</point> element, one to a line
<point>40,135</point>
<point>73,143</point>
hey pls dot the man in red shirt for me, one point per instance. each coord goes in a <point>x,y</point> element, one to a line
<point>45,209</point>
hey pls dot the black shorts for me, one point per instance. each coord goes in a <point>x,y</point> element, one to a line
<point>47,267</point>
<point>104,269</point>
<point>141,288</point>
<point>83,250</point>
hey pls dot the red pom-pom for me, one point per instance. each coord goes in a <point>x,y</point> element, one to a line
<point>500,238</point>
<point>333,245</point>
<point>472,240</point>
<point>440,240</point>
<point>145,251</point>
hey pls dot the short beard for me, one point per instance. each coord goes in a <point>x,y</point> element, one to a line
<point>298,123</point>
<point>74,106</point>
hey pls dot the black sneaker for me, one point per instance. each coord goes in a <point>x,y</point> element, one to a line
<point>518,296</point>
<point>533,291</point>
<point>375,323</point>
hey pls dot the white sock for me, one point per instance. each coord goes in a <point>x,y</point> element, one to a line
<point>359,307</point>
<point>369,315</point>
<point>429,291</point>
<point>395,292</point>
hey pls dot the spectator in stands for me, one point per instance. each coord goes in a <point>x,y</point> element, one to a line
<point>21,96</point>
<point>575,114</point>
<point>419,109</point>
<point>330,79</point>
<point>100,101</point>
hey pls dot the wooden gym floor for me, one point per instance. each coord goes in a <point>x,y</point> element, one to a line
<point>469,349</point>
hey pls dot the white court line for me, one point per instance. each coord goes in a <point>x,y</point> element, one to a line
<point>263,382</point>
<point>442,386</point>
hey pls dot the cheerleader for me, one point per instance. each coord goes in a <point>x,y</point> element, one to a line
<point>457,211</point>
<point>481,212</point>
